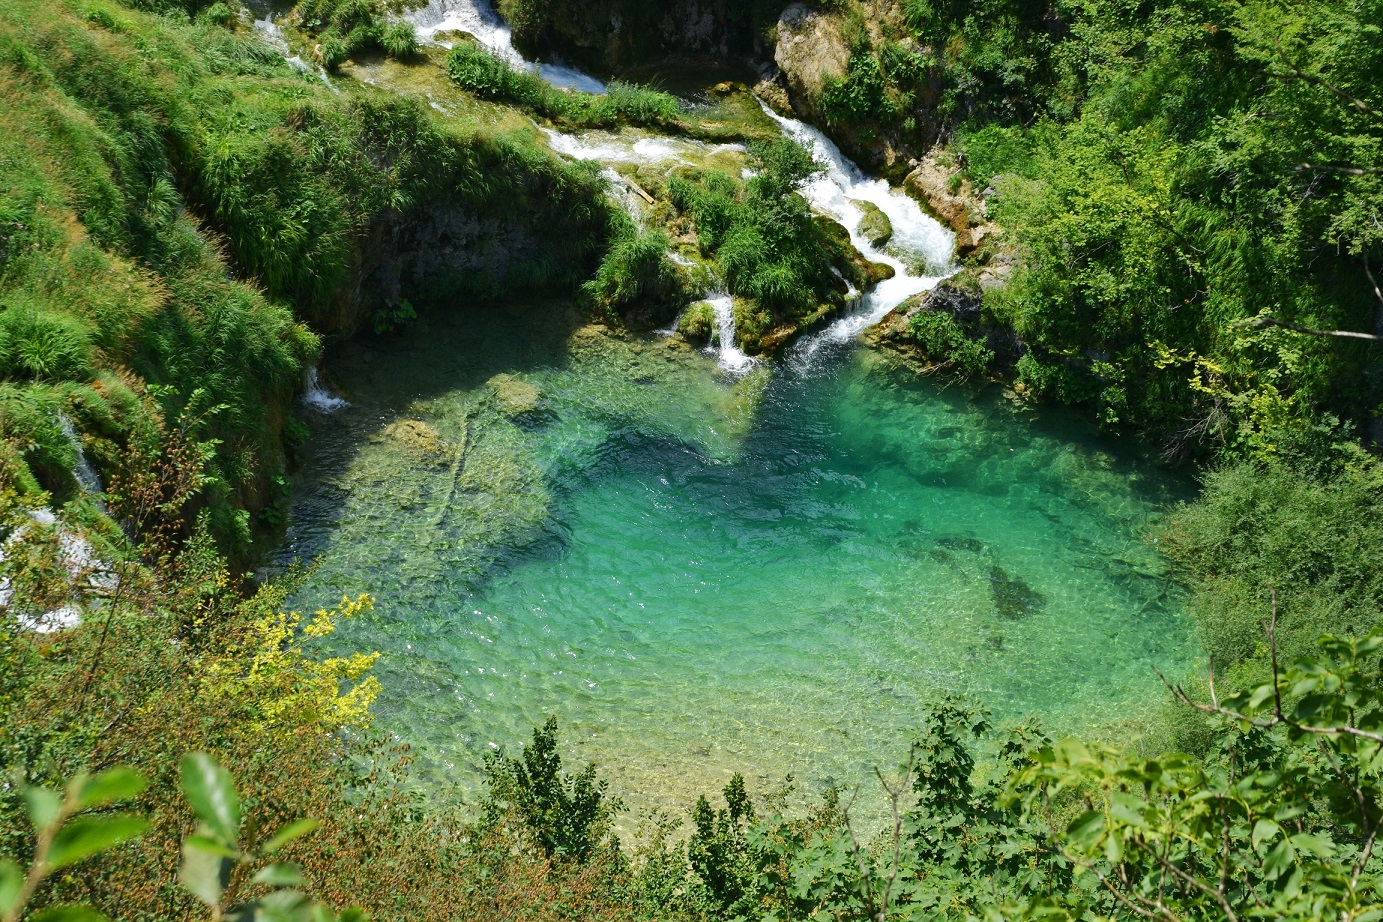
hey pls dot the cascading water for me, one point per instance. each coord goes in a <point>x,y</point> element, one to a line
<point>722,305</point>
<point>272,35</point>
<point>478,19</point>
<point>732,358</point>
<point>316,396</point>
<point>85,474</point>
<point>919,250</point>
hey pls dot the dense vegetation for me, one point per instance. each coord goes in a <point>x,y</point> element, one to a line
<point>183,217</point>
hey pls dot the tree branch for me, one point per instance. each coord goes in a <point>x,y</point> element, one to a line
<point>1329,168</point>
<point>1258,323</point>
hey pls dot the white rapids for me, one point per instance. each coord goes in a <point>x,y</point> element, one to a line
<point>919,251</point>
<point>478,19</point>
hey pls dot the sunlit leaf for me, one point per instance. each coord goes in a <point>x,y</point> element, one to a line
<point>87,835</point>
<point>69,913</point>
<point>210,790</point>
<point>280,874</point>
<point>44,806</point>
<point>204,873</point>
<point>293,830</point>
<point>11,882</point>
<point>114,786</point>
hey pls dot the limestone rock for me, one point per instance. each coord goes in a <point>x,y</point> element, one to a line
<point>810,50</point>
<point>954,204</point>
<point>876,227</point>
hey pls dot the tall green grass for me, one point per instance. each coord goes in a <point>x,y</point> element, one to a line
<point>476,69</point>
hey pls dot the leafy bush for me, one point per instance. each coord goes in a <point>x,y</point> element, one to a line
<point>400,40</point>
<point>996,149</point>
<point>763,236</point>
<point>942,339</point>
<point>569,815</point>
<point>859,100</point>
<point>635,272</point>
<point>1265,533</point>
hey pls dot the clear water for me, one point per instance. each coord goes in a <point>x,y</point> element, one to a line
<point>702,574</point>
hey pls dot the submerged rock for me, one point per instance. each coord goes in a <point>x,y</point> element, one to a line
<point>961,543</point>
<point>1012,596</point>
<point>513,395</point>
<point>414,435</point>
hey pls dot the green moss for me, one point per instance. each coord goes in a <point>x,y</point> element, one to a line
<point>698,323</point>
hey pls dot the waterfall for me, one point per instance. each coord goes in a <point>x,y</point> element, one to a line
<point>722,344</point>
<point>273,37</point>
<point>478,19</point>
<point>920,250</point>
<point>316,396</point>
<point>731,357</point>
<point>85,474</point>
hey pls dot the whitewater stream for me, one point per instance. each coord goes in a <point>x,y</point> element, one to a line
<point>703,563</point>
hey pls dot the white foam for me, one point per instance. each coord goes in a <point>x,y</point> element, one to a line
<point>920,250</point>
<point>316,396</point>
<point>479,20</point>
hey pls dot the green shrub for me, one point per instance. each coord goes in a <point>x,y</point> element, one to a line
<point>942,339</point>
<point>859,100</point>
<point>635,272</point>
<point>570,816</point>
<point>400,40</point>
<point>218,14</point>
<point>1264,533</point>
<point>996,149</point>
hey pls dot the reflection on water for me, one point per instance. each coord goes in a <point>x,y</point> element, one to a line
<point>702,574</point>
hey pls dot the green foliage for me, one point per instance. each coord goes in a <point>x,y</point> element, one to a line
<point>212,854</point>
<point>1270,533</point>
<point>65,832</point>
<point>1162,219</point>
<point>569,815</point>
<point>942,339</point>
<point>636,273</point>
<point>1281,817</point>
<point>859,99</point>
<point>718,851</point>
<point>348,27</point>
<point>996,149</point>
<point>400,40</point>
<point>43,345</point>
<point>766,244</point>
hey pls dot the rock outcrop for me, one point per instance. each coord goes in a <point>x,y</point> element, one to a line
<point>953,203</point>
<point>810,50</point>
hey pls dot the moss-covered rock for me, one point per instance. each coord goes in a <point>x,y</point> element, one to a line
<point>875,227</point>
<point>417,437</point>
<point>698,323</point>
